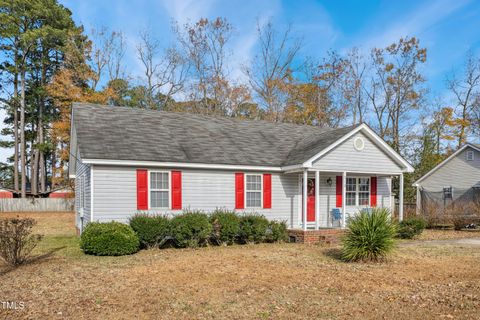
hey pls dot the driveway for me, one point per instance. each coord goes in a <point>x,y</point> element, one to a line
<point>466,241</point>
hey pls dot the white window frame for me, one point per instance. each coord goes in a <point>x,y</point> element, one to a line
<point>81,189</point>
<point>467,155</point>
<point>150,189</point>
<point>261,190</point>
<point>357,191</point>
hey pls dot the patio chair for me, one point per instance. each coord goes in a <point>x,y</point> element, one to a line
<point>336,216</point>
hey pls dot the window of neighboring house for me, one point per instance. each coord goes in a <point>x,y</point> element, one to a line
<point>358,192</point>
<point>470,155</point>
<point>159,189</point>
<point>253,190</point>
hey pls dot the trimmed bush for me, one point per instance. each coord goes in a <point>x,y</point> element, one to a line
<point>152,230</point>
<point>191,229</point>
<point>411,227</point>
<point>17,240</point>
<point>277,231</point>
<point>225,227</point>
<point>369,236</point>
<point>253,228</point>
<point>109,239</point>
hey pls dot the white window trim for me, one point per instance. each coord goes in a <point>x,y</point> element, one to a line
<point>468,153</point>
<point>261,189</point>
<point>357,191</point>
<point>81,189</point>
<point>150,207</point>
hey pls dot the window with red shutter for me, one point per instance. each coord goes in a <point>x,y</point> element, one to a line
<point>142,189</point>
<point>373,191</point>
<point>239,191</point>
<point>176,190</point>
<point>267,191</point>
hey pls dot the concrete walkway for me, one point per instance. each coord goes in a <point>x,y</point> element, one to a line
<point>466,241</point>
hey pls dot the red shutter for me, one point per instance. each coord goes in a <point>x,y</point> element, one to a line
<point>267,191</point>
<point>176,190</point>
<point>373,191</point>
<point>339,191</point>
<point>142,189</point>
<point>239,191</point>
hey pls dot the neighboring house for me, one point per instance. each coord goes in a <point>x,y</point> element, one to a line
<point>5,193</point>
<point>61,193</point>
<point>457,178</point>
<point>126,160</point>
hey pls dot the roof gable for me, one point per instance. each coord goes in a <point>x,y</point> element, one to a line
<point>447,160</point>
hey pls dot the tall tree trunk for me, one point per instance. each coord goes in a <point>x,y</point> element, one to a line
<point>23,160</point>
<point>15,132</point>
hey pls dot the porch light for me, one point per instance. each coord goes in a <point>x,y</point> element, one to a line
<point>329,181</point>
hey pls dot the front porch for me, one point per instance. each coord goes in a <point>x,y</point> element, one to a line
<point>330,198</point>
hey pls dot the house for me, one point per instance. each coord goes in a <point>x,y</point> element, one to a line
<point>126,160</point>
<point>455,179</point>
<point>5,193</point>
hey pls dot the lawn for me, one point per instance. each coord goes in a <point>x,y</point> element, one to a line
<point>268,281</point>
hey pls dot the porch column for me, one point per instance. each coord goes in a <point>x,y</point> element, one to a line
<point>344,200</point>
<point>317,199</point>
<point>304,198</point>
<point>400,199</point>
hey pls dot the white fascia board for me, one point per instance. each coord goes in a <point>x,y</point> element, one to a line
<point>371,134</point>
<point>179,165</point>
<point>441,164</point>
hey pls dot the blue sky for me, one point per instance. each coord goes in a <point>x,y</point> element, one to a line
<point>447,28</point>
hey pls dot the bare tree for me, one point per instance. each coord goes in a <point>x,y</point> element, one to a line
<point>466,92</point>
<point>205,43</point>
<point>164,73</point>
<point>271,66</point>
<point>395,86</point>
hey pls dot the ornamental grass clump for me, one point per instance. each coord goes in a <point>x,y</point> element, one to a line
<point>369,237</point>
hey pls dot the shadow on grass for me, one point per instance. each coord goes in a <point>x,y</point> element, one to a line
<point>35,259</point>
<point>334,253</point>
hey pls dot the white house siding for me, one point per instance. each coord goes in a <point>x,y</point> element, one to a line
<point>82,170</point>
<point>346,157</point>
<point>115,195</point>
<point>458,173</point>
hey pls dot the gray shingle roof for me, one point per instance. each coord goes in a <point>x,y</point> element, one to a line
<point>121,133</point>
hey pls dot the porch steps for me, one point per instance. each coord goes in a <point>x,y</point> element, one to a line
<point>322,236</point>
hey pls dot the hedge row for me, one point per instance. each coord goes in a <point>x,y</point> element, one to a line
<point>190,229</point>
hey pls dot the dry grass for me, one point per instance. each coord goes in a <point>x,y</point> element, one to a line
<point>432,234</point>
<point>283,281</point>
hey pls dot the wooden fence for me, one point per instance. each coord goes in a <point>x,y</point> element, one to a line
<point>36,205</point>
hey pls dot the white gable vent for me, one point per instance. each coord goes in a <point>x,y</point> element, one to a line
<point>470,155</point>
<point>359,143</point>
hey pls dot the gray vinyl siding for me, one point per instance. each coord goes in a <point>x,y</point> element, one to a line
<point>82,170</point>
<point>457,172</point>
<point>345,158</point>
<point>115,196</point>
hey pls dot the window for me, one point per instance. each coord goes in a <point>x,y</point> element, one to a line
<point>358,192</point>
<point>254,190</point>
<point>470,155</point>
<point>351,191</point>
<point>159,189</point>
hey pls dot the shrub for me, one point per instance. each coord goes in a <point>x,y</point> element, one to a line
<point>152,231</point>
<point>225,227</point>
<point>411,227</point>
<point>191,229</point>
<point>277,232</point>
<point>17,240</point>
<point>109,239</point>
<point>253,228</point>
<point>465,214</point>
<point>369,236</point>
